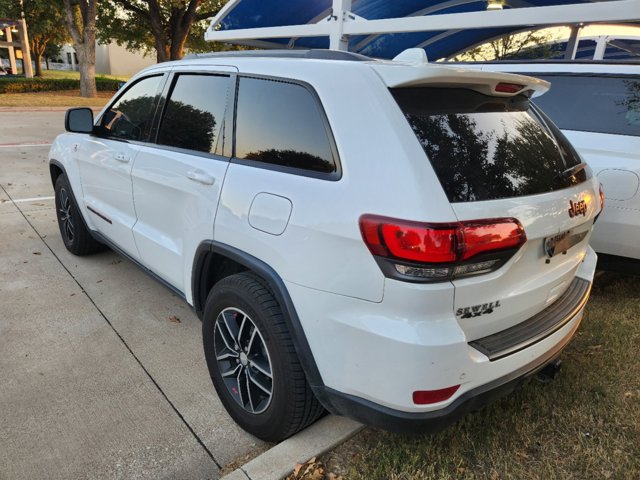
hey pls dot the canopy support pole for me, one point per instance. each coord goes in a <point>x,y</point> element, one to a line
<point>12,51</point>
<point>26,49</point>
<point>601,46</point>
<point>572,44</point>
<point>337,39</point>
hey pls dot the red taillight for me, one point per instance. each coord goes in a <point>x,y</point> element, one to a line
<point>419,243</point>
<point>508,88</point>
<point>428,251</point>
<point>439,243</point>
<point>491,236</point>
<point>424,397</point>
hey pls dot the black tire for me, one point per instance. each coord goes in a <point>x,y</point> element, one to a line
<point>74,232</point>
<point>291,405</point>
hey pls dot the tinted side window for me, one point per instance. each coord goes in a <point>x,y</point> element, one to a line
<point>194,117</point>
<point>593,104</point>
<point>131,116</point>
<point>281,124</point>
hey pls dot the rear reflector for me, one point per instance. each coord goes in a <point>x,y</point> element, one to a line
<point>425,397</point>
<point>508,88</point>
<point>430,251</point>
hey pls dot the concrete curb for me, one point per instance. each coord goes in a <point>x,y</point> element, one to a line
<point>280,460</point>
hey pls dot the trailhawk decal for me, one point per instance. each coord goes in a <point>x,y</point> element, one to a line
<point>477,310</point>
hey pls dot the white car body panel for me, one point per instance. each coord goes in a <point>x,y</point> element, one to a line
<point>424,347</point>
<point>615,159</point>
<point>164,188</point>
<point>529,279</point>
<point>105,172</point>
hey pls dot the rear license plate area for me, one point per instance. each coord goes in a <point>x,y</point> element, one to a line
<point>562,242</point>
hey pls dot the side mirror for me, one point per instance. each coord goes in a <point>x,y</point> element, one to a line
<point>79,120</point>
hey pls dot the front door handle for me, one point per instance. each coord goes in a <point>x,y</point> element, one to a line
<point>121,157</point>
<point>200,177</point>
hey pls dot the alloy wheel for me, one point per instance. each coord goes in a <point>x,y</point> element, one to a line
<point>66,218</point>
<point>243,360</point>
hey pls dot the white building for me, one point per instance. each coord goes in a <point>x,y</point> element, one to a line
<point>111,59</point>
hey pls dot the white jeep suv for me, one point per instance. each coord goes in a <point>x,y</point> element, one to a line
<point>397,242</point>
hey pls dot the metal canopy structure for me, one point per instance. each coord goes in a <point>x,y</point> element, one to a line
<point>604,47</point>
<point>384,28</point>
<point>7,28</point>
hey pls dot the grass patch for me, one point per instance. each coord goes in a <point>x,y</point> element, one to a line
<point>583,425</point>
<point>68,98</point>
<point>72,74</point>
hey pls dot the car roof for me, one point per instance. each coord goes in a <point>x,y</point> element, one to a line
<point>308,65</point>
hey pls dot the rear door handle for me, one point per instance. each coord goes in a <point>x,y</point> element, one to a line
<point>200,177</point>
<point>121,157</point>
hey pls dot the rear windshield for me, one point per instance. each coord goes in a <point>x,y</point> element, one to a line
<point>603,104</point>
<point>486,148</point>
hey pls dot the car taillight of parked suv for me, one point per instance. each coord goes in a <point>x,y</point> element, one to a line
<point>399,247</point>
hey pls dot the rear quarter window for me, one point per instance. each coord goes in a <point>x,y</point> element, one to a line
<point>588,103</point>
<point>486,148</point>
<point>280,124</point>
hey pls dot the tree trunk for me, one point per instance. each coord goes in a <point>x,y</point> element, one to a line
<point>84,42</point>
<point>38,58</point>
<point>46,59</point>
<point>39,44</point>
<point>162,50</point>
<point>87,67</point>
<point>178,39</point>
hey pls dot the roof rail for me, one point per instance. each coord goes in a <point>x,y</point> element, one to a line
<point>315,54</point>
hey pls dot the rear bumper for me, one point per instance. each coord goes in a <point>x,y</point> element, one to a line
<point>398,421</point>
<point>531,331</point>
<point>371,358</point>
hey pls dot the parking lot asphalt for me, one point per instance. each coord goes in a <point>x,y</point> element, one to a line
<point>102,373</point>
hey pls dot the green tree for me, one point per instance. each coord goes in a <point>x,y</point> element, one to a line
<point>44,18</point>
<point>511,45</point>
<point>168,26</point>
<point>80,18</point>
<point>52,51</point>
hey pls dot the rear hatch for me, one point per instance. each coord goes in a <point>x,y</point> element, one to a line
<point>498,158</point>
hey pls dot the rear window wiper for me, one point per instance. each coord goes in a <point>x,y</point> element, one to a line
<point>572,171</point>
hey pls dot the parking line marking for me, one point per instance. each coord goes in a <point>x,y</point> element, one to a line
<point>34,199</point>
<point>20,145</point>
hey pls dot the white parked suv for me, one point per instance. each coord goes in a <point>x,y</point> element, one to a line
<point>397,242</point>
<point>597,106</point>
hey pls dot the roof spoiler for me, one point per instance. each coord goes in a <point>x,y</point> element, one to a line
<point>411,69</point>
